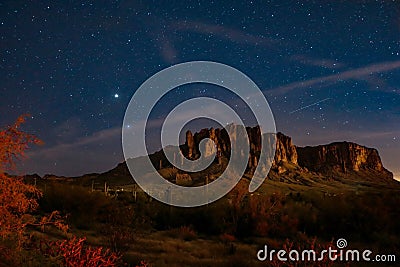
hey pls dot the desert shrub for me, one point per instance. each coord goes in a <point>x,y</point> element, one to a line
<point>25,257</point>
<point>354,216</point>
<point>115,214</point>
<point>186,233</point>
<point>262,215</point>
<point>214,219</point>
<point>264,212</point>
<point>209,220</point>
<point>305,214</point>
<point>75,253</point>
<point>118,238</point>
<point>374,217</point>
<point>83,208</point>
<point>17,199</point>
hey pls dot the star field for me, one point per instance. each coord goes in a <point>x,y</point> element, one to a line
<point>330,70</point>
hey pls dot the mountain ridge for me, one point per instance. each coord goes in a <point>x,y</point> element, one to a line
<point>336,160</point>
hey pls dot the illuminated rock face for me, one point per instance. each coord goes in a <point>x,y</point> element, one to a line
<point>211,146</point>
<point>285,150</point>
<point>190,144</point>
<point>219,143</point>
<point>341,156</point>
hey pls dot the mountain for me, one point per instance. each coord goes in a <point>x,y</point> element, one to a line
<point>345,162</point>
<point>342,160</point>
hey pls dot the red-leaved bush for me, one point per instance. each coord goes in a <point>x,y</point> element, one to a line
<point>17,202</point>
<point>75,253</point>
<point>17,199</point>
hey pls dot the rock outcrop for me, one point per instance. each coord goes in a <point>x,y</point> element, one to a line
<point>219,143</point>
<point>341,157</point>
<point>285,150</point>
<point>190,144</point>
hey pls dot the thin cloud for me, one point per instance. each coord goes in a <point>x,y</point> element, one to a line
<point>318,62</point>
<point>166,45</point>
<point>354,74</point>
<point>96,153</point>
<point>231,34</point>
<point>100,137</point>
<point>378,84</point>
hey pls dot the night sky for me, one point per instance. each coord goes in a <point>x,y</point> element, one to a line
<point>329,69</point>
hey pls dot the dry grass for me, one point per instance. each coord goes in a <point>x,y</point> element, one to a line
<point>160,249</point>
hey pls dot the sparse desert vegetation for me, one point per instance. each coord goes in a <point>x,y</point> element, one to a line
<point>230,231</point>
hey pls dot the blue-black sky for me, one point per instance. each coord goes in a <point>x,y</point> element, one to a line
<point>330,69</point>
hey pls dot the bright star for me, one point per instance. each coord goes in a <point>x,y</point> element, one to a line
<point>116,95</point>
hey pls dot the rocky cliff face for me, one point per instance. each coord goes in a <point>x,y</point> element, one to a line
<point>285,150</point>
<point>340,157</point>
<point>219,143</point>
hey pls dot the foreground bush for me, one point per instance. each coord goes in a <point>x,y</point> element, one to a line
<point>74,253</point>
<point>17,199</point>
